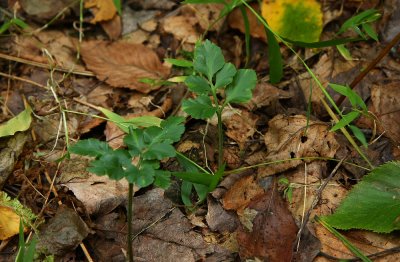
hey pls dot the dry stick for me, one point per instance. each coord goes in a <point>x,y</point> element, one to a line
<point>373,63</point>
<point>316,200</point>
<point>46,66</point>
<point>13,77</point>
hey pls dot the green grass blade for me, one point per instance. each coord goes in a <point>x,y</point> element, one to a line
<point>247,33</point>
<point>344,240</point>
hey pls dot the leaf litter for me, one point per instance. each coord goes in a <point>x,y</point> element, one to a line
<point>249,215</point>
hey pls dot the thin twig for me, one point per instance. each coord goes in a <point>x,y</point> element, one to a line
<point>317,199</point>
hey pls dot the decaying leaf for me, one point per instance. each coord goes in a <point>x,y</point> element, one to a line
<point>266,94</point>
<point>295,20</point>
<point>386,106</point>
<point>104,9</point>
<point>123,64</point>
<point>288,137</point>
<point>273,230</point>
<point>241,126</point>
<point>21,122</point>
<point>182,27</point>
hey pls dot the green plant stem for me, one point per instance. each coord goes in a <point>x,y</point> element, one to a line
<point>220,139</point>
<point>130,209</point>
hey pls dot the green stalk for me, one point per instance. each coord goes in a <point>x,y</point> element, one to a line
<point>130,208</point>
<point>220,139</point>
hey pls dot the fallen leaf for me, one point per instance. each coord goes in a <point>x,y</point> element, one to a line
<point>112,27</point>
<point>47,9</point>
<point>386,106</point>
<point>104,9</point>
<point>266,94</point>
<point>9,222</point>
<point>273,230</point>
<point>286,139</point>
<point>21,122</point>
<point>295,20</point>
<point>241,193</point>
<point>182,28</point>
<point>62,233</point>
<point>123,64</point>
<point>241,126</point>
<point>235,20</point>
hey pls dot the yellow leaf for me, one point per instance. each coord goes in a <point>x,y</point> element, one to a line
<point>294,19</point>
<point>9,222</point>
<point>104,9</point>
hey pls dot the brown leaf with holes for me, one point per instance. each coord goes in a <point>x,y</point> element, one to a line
<point>273,230</point>
<point>104,10</point>
<point>123,64</point>
<point>241,126</point>
<point>286,139</point>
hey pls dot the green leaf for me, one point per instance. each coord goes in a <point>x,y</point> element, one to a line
<point>21,122</point>
<point>19,23</point>
<point>353,97</point>
<point>373,204</point>
<point>135,142</point>
<point>202,191</point>
<point>274,58</point>
<point>124,124</point>
<point>117,4</point>
<point>179,62</point>
<point>195,177</point>
<point>366,16</point>
<point>198,85</point>
<point>186,192</point>
<point>90,147</point>
<point>208,59</point>
<point>4,27</point>
<point>346,119</point>
<point>370,32</point>
<point>172,128</point>
<point>359,135</point>
<point>145,176</point>
<point>162,178</point>
<point>199,108</point>
<point>225,75</point>
<point>159,151</point>
<point>113,164</point>
<point>240,90</point>
<point>344,52</point>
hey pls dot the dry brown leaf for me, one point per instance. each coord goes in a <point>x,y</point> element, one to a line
<point>206,15</point>
<point>242,193</point>
<point>235,20</point>
<point>182,28</point>
<point>9,222</point>
<point>286,139</point>
<point>104,10</point>
<point>123,64</point>
<point>61,47</point>
<point>241,126</point>
<point>112,27</point>
<point>266,94</point>
<point>386,106</point>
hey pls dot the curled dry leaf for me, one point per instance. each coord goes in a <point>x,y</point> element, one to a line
<point>241,126</point>
<point>123,64</point>
<point>288,138</point>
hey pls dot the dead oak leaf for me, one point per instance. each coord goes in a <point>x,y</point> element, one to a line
<point>104,10</point>
<point>123,64</point>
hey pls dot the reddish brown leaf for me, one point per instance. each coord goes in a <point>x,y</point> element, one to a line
<point>123,64</point>
<point>273,230</point>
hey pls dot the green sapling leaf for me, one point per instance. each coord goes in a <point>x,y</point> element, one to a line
<point>370,31</point>
<point>353,97</point>
<point>162,178</point>
<point>159,151</point>
<point>346,119</point>
<point>208,59</point>
<point>373,204</point>
<point>225,75</point>
<point>172,128</point>
<point>198,85</point>
<point>90,147</point>
<point>199,108</point>
<point>112,164</point>
<point>240,90</point>
<point>359,135</point>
